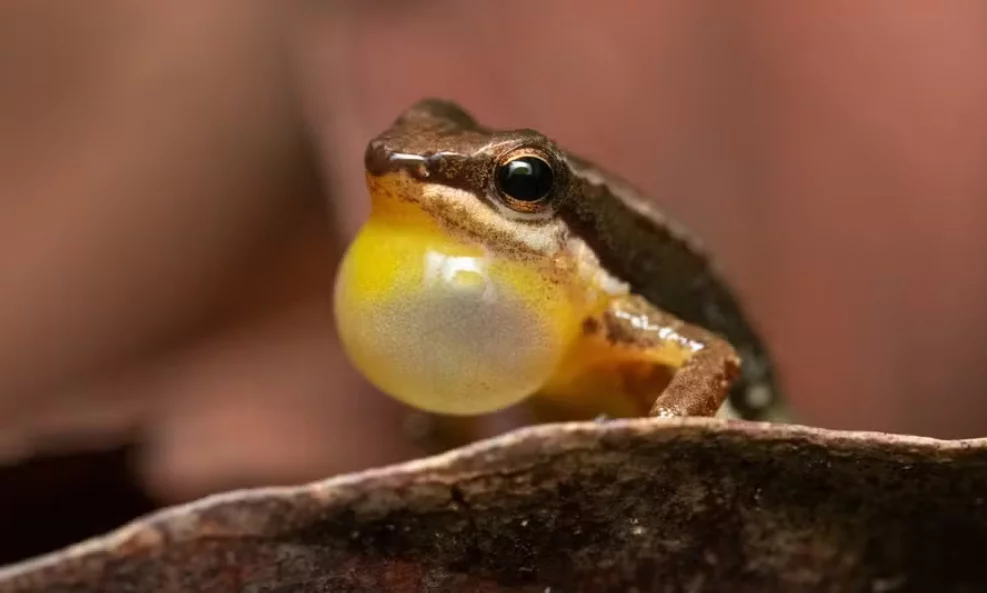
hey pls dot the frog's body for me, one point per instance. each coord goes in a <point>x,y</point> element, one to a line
<point>495,267</point>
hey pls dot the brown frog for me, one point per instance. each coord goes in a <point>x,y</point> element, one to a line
<point>496,268</point>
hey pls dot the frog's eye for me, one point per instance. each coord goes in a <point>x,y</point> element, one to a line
<point>525,181</point>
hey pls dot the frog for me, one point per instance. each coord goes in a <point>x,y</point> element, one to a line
<point>497,269</point>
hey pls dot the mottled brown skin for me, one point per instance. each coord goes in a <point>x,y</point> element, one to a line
<point>661,262</point>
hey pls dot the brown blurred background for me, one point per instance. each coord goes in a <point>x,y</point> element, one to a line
<point>178,180</point>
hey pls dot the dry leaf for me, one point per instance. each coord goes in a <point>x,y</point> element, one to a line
<point>640,505</point>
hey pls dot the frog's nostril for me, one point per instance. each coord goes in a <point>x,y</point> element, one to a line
<point>376,158</point>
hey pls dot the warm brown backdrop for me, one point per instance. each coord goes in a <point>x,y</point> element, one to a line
<point>168,235</point>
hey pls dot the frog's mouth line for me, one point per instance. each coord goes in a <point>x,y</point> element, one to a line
<point>462,215</point>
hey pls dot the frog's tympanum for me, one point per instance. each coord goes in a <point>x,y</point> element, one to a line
<point>496,267</point>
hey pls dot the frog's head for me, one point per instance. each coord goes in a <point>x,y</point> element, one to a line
<point>463,290</point>
<point>497,188</point>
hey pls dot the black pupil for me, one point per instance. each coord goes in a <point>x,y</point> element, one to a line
<point>525,178</point>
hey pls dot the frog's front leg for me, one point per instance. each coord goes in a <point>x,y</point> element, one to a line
<point>634,359</point>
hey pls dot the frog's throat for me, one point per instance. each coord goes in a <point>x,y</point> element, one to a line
<point>448,324</point>
<point>399,197</point>
<point>445,327</point>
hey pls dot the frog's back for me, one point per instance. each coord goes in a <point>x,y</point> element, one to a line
<point>666,264</point>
